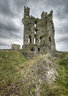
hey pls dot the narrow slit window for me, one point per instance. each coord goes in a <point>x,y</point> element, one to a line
<point>41,38</point>
<point>32,49</point>
<point>50,39</point>
<point>34,40</point>
<point>38,49</point>
<point>46,23</point>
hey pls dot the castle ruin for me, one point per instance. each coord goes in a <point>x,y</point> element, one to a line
<point>38,33</point>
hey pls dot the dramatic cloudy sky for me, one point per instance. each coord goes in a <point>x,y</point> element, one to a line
<point>11,27</point>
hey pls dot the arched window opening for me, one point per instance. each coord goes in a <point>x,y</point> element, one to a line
<point>46,23</point>
<point>40,40</point>
<point>29,39</point>
<point>36,30</point>
<point>50,39</point>
<point>35,24</point>
<point>35,40</point>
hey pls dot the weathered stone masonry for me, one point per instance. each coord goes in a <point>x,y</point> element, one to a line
<point>38,33</point>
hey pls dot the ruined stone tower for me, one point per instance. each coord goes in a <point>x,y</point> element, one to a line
<point>38,33</point>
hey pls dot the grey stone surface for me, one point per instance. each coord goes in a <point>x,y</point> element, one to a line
<point>15,47</point>
<point>38,33</point>
<point>42,70</point>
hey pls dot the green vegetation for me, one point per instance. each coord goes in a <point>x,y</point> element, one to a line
<point>13,66</point>
<point>61,84</point>
<point>9,63</point>
<point>60,87</point>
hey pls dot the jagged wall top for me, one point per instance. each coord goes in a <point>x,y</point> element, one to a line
<point>43,15</point>
<point>26,11</point>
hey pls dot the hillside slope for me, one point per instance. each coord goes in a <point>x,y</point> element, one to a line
<point>44,75</point>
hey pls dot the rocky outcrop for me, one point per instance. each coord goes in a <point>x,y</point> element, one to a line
<point>41,71</point>
<point>45,69</point>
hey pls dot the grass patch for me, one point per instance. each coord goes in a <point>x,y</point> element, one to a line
<point>62,81</point>
<point>9,62</point>
<point>11,82</point>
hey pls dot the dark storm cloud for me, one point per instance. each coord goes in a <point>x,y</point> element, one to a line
<point>61,5</point>
<point>11,13</point>
<point>54,2</point>
<point>20,3</point>
<point>8,29</point>
<point>5,8</point>
<point>9,35</point>
<point>9,26</point>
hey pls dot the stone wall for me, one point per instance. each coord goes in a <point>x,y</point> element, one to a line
<point>38,33</point>
<point>15,47</point>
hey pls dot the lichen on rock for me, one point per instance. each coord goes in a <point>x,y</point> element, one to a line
<point>42,70</point>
